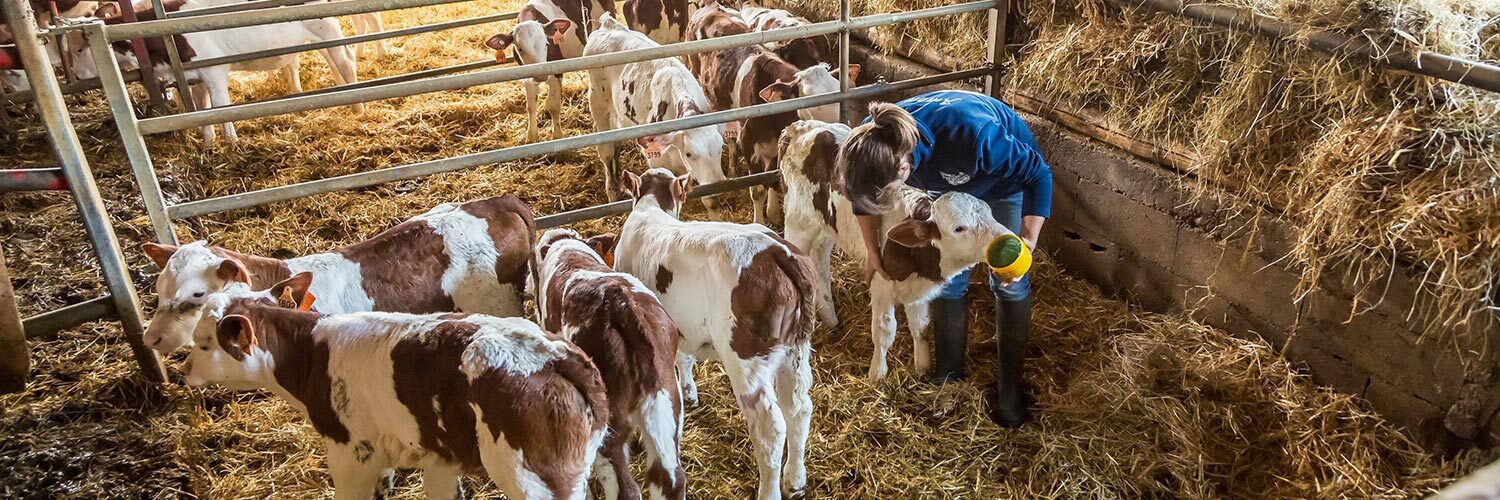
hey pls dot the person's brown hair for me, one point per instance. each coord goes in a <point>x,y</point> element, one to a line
<point>871,158</point>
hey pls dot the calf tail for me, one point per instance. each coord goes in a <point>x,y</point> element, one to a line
<point>799,268</point>
<point>580,372</point>
<point>639,342</point>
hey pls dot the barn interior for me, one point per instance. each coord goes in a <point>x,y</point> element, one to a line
<point>1271,271</point>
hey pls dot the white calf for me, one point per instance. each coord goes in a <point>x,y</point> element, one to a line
<point>740,294</point>
<point>923,243</point>
<point>649,92</point>
<point>545,31</point>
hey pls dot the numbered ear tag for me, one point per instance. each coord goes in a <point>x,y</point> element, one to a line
<point>288,301</point>
<point>732,130</point>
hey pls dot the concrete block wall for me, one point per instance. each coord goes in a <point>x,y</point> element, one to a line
<point>1129,227</point>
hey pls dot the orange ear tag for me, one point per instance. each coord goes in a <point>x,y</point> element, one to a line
<point>307,302</point>
<point>609,260</point>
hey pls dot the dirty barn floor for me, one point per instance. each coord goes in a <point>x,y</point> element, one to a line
<point>1129,403</point>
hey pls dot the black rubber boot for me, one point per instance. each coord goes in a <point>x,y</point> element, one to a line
<point>950,333</point>
<point>1012,319</point>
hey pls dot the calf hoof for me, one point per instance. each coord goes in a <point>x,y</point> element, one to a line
<point>689,401</point>
<point>796,494</point>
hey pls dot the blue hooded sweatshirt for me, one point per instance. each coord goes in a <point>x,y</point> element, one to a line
<point>975,144</point>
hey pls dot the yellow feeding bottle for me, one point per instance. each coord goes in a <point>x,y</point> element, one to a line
<point>1008,257</point>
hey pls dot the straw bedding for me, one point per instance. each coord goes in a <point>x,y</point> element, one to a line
<point>1129,404</point>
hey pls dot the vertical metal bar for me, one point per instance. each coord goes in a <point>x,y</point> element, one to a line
<point>148,67</point>
<point>54,112</point>
<point>844,36</point>
<point>15,359</point>
<point>996,39</point>
<point>130,134</point>
<point>183,94</point>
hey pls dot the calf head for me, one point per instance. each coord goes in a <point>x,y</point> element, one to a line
<point>954,230</point>
<point>534,41</point>
<point>189,274</point>
<point>565,239</point>
<point>657,187</point>
<point>814,80</point>
<point>233,334</point>
<point>693,150</point>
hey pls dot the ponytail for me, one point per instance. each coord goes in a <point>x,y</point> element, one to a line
<point>870,159</point>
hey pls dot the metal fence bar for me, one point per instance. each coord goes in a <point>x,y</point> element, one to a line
<point>147,67</point>
<point>15,354</point>
<point>70,88</point>
<point>183,94</point>
<point>455,82</point>
<point>234,7</point>
<point>64,139</point>
<point>210,22</point>
<point>404,77</point>
<point>135,143</point>
<point>844,59</point>
<point>46,325</point>
<point>623,206</point>
<point>363,179</point>
<point>32,179</point>
<point>292,49</point>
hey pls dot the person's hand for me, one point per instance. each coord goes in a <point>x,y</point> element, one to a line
<point>872,266</point>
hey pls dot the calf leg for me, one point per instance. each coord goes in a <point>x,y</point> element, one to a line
<point>601,105</point>
<point>661,432</point>
<point>616,450</point>
<point>793,383</point>
<point>882,329</point>
<point>441,483</point>
<point>753,387</point>
<point>202,102</point>
<point>293,76</point>
<point>345,70</point>
<point>604,473</point>
<point>917,319</point>
<point>685,363</point>
<point>554,104</point>
<point>531,91</point>
<point>356,468</point>
<point>821,249</point>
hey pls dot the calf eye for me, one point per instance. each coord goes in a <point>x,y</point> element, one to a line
<point>198,295</point>
<point>960,229</point>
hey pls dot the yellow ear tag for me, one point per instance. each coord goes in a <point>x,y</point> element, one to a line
<point>288,301</point>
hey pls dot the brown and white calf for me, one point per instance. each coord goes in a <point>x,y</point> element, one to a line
<point>742,295</point>
<point>923,243</point>
<point>469,257</point>
<point>649,92</point>
<point>548,30</point>
<point>746,76</point>
<point>620,324</point>
<point>663,21</point>
<point>450,394</point>
<point>802,52</point>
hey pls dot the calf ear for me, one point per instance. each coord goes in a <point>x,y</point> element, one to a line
<point>233,270</point>
<point>556,29</point>
<point>853,74</point>
<point>603,243</point>
<point>914,233</point>
<point>923,210</point>
<point>500,41</point>
<point>108,10</point>
<point>159,254</point>
<point>297,286</point>
<point>681,186</point>
<point>778,91</point>
<point>630,183</point>
<point>236,335</point>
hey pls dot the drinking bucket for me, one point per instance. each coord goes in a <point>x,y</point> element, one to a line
<point>1008,257</point>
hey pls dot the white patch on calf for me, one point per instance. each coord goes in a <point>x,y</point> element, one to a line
<point>470,278</point>
<point>515,345</point>
<point>337,286</point>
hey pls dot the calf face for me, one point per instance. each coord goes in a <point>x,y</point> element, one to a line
<point>814,80</point>
<point>229,350</point>
<point>534,41</point>
<point>188,275</point>
<point>657,187</point>
<point>697,150</point>
<point>951,235</point>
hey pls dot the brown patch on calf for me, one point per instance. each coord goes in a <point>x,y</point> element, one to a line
<point>513,229</point>
<point>663,279</point>
<point>429,382</point>
<point>772,302</point>
<point>260,272</point>
<point>819,167</point>
<point>901,261</point>
<point>402,268</point>
<point>646,16</point>
<point>301,360</point>
<point>534,413</point>
<point>660,186</point>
